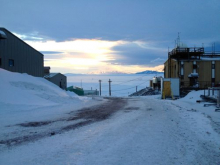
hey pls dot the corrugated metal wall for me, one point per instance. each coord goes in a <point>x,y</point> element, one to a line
<point>217,72</point>
<point>60,80</point>
<point>26,59</point>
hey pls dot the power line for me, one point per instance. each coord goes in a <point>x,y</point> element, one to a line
<point>130,87</point>
<point>128,80</point>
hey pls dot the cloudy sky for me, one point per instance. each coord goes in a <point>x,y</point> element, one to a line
<point>93,36</point>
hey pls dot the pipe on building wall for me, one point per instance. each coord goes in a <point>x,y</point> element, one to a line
<point>194,69</point>
<point>213,69</point>
<point>182,68</point>
<point>213,73</point>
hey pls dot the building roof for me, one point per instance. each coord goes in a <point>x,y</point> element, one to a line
<point>193,53</point>
<point>50,75</point>
<point>7,31</point>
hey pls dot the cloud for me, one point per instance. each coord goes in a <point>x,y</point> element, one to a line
<point>112,20</point>
<point>51,52</point>
<point>138,53</point>
<point>34,36</point>
<point>131,35</point>
<point>158,60</point>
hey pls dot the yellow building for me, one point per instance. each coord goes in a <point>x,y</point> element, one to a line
<point>194,67</point>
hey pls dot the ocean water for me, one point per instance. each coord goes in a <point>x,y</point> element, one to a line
<point>121,85</point>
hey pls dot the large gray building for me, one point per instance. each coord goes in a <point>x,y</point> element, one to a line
<point>18,56</point>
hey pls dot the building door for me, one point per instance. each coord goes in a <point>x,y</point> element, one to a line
<point>60,84</point>
<point>167,88</point>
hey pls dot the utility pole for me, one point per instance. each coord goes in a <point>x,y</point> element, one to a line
<point>100,88</point>
<point>109,87</point>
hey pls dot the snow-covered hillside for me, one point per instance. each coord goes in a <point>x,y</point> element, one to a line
<point>23,89</point>
<point>26,98</point>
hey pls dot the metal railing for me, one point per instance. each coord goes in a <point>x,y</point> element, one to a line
<point>214,94</point>
<point>199,84</point>
<point>182,50</point>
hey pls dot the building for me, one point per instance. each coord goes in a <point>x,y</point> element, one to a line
<point>46,70</point>
<point>18,56</point>
<point>81,92</point>
<point>58,79</point>
<point>194,67</point>
<point>77,90</point>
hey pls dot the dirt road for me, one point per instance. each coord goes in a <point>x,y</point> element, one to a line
<point>74,120</point>
<point>123,131</point>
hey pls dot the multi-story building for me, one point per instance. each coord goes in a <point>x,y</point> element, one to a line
<point>193,66</point>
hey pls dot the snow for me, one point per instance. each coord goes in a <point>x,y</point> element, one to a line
<point>121,85</point>
<point>26,98</point>
<point>147,130</point>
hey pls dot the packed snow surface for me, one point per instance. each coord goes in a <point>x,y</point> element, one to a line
<point>42,124</point>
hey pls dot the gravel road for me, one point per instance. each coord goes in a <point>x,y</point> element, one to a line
<point>120,131</point>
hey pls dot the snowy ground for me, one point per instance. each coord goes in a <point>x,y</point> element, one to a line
<point>41,124</point>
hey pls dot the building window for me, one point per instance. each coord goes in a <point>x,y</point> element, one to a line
<point>194,66</point>
<point>213,66</point>
<point>11,62</point>
<point>213,79</point>
<point>182,77</point>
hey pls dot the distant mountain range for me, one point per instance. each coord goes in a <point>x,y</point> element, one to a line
<point>97,73</point>
<point>73,74</point>
<point>114,73</point>
<point>150,72</point>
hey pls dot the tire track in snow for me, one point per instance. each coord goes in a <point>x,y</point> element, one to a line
<point>81,118</point>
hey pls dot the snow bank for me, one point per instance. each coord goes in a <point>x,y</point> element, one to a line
<point>189,102</point>
<point>192,96</point>
<point>24,98</point>
<point>23,89</point>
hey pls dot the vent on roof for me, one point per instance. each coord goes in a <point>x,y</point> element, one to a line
<point>2,35</point>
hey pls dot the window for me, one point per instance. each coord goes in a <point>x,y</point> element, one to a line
<point>213,66</point>
<point>11,62</point>
<point>0,61</point>
<point>194,66</point>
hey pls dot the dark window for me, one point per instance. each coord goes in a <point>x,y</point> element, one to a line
<point>0,61</point>
<point>182,77</point>
<point>11,62</point>
<point>194,66</point>
<point>213,79</point>
<point>213,66</point>
<point>182,83</point>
